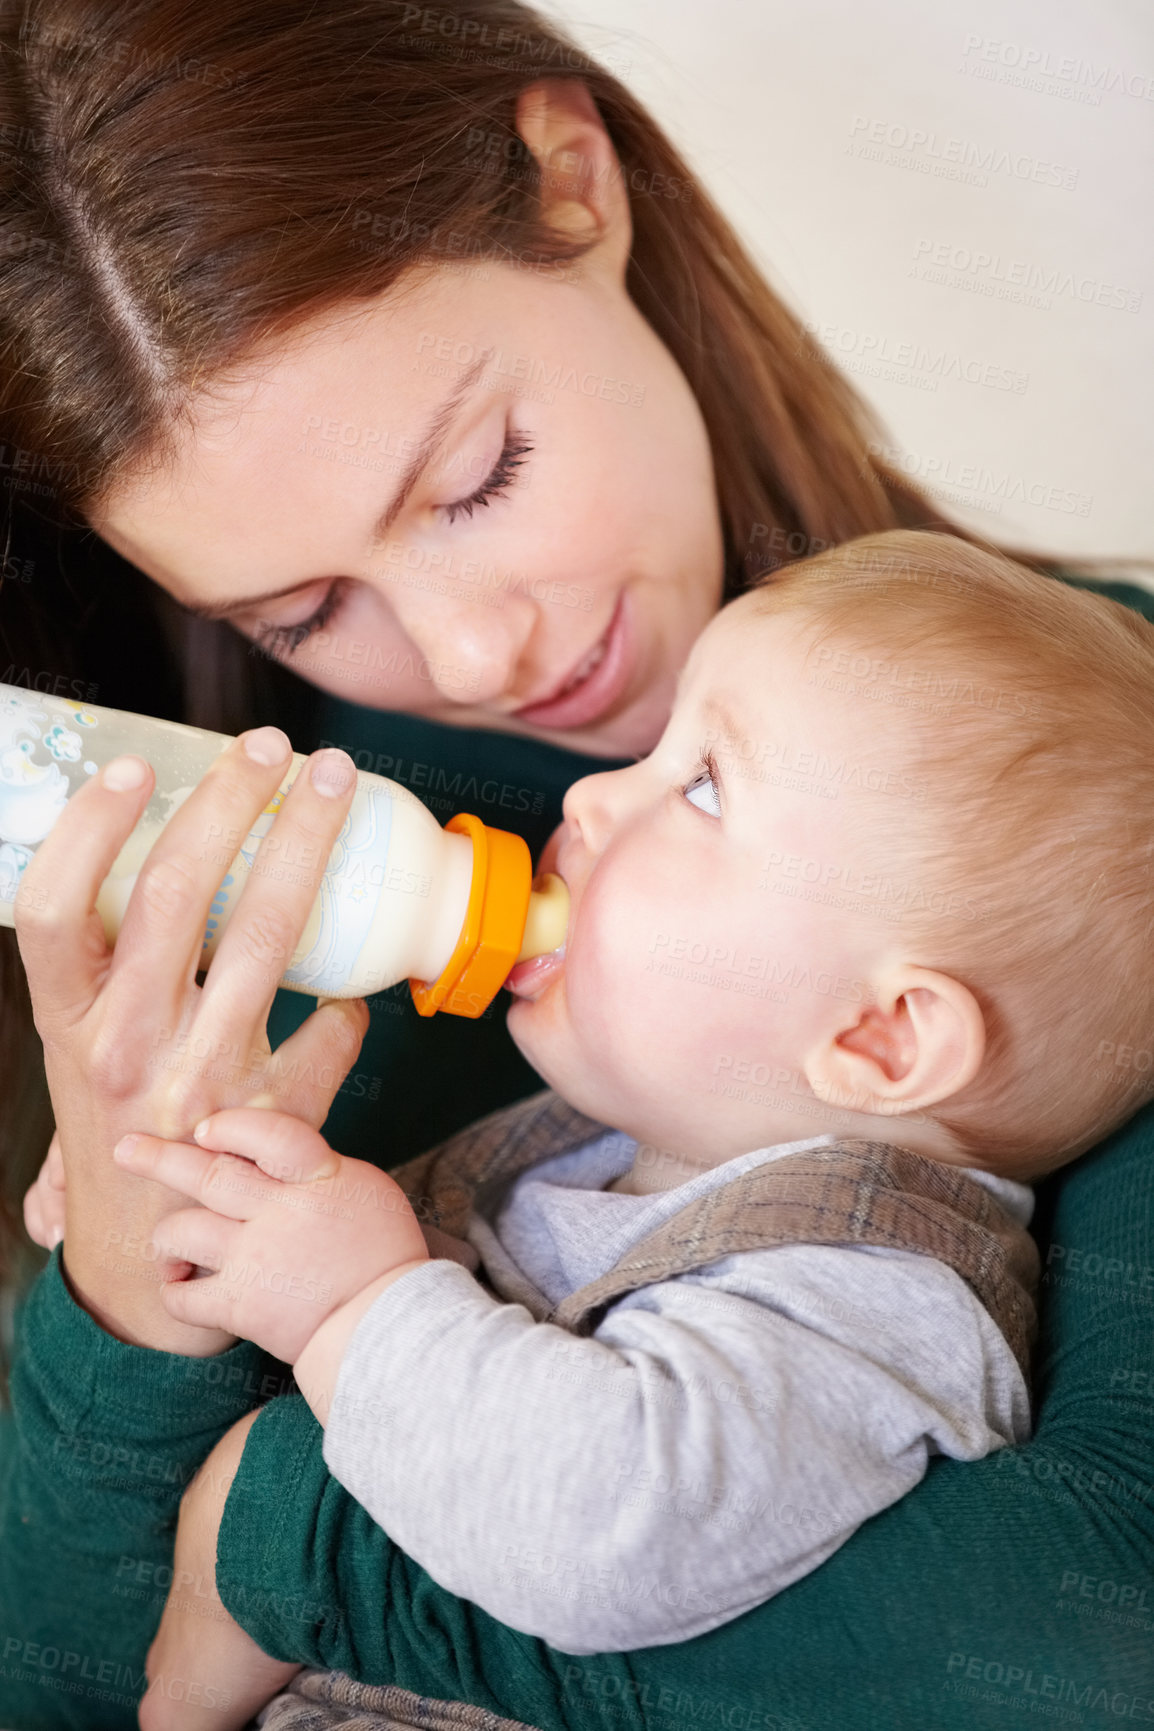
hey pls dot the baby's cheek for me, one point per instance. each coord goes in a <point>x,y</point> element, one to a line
<point>607,981</point>
<point>597,976</point>
<point>620,996</point>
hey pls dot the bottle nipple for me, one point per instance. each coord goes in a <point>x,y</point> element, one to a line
<point>548,917</point>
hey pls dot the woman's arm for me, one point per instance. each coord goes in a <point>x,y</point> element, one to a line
<point>965,1596</point>
<point>114,1402</point>
<point>204,1672</point>
<point>100,1441</point>
<point>1018,1584</point>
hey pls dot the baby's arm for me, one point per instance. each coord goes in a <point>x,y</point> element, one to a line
<point>702,1450</point>
<point>705,1448</point>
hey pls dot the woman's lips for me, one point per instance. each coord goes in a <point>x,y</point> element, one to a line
<point>600,688</point>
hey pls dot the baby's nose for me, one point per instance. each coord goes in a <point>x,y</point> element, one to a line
<point>590,806</point>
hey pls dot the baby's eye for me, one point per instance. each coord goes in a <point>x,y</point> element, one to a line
<point>702,792</point>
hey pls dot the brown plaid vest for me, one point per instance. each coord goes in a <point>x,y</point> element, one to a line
<point>857,1192</point>
<point>854,1192</point>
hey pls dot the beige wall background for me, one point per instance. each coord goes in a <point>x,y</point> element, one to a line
<point>960,200</point>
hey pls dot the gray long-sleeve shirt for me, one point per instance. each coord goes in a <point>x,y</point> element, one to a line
<point>717,1437</point>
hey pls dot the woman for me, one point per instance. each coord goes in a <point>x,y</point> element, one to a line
<point>348,323</point>
<point>683,432</point>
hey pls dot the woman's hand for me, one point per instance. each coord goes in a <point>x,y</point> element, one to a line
<point>288,1232</point>
<point>131,1041</point>
<point>44,1213</point>
<point>44,1202</point>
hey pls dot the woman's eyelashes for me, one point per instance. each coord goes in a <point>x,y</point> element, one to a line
<point>283,640</point>
<point>280,640</point>
<point>704,782</point>
<point>501,476</point>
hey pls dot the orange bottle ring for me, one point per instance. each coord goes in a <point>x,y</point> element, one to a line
<point>493,927</point>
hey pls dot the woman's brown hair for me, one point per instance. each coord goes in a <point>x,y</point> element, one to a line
<point>182,181</point>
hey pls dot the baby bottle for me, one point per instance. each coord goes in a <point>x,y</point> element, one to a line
<point>450,910</point>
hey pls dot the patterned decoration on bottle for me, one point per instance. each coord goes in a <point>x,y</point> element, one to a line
<point>349,894</point>
<point>34,788</point>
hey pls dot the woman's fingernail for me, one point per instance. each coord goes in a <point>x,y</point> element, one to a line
<point>332,772</point>
<point>55,1236</point>
<point>267,745</point>
<point>124,773</point>
<point>125,1148</point>
<point>200,1130</point>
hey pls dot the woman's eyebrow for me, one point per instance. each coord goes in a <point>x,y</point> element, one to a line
<point>423,455</point>
<point>428,447</point>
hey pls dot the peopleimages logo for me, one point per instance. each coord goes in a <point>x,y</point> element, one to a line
<point>1025,1686</point>
<point>1026,64</point>
<point>461,788</point>
<point>938,473</point>
<point>991,273</point>
<point>900,146</point>
<point>902,360</point>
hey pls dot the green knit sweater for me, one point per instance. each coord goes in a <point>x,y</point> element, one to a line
<point>1024,1581</point>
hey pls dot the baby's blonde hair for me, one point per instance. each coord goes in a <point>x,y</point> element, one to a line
<point>1026,707</point>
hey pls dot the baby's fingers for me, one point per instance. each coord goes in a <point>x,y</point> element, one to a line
<point>44,1202</point>
<point>52,1170</point>
<point>230,1187</point>
<point>282,1146</point>
<point>209,1302</point>
<point>199,1237</point>
<point>44,1225</point>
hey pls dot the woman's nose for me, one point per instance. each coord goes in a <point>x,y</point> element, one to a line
<point>473,651</point>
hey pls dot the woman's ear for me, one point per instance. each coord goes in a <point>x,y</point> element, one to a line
<point>583,190</point>
<point>922,1041</point>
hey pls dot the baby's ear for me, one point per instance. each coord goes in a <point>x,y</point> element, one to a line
<point>920,1042</point>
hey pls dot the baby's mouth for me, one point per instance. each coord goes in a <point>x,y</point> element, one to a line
<point>529,979</point>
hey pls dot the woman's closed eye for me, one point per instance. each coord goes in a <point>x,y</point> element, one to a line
<point>501,476</point>
<point>702,788</point>
<point>278,640</point>
<point>284,640</point>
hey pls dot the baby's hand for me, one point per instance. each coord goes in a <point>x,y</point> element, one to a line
<point>289,1230</point>
<point>44,1202</point>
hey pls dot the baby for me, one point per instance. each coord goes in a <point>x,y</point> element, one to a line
<point>848,958</point>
